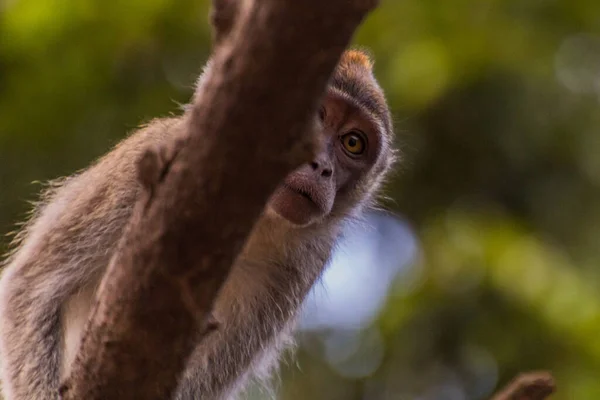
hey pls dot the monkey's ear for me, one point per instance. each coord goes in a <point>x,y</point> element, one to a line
<point>358,57</point>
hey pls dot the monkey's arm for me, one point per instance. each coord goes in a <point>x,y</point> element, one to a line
<point>64,249</point>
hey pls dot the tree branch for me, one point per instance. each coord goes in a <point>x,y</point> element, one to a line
<point>246,131</point>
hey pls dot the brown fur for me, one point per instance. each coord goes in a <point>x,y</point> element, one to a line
<point>47,286</point>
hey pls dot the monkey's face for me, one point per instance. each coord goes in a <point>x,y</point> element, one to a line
<point>356,133</point>
<point>331,184</point>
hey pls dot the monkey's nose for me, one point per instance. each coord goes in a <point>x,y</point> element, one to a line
<point>322,167</point>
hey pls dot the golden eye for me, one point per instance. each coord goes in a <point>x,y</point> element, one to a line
<point>353,143</point>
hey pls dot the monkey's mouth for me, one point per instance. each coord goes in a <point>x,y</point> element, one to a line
<point>301,192</point>
<point>296,202</point>
<point>309,195</point>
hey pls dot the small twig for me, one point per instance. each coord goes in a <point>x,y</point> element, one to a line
<point>528,386</point>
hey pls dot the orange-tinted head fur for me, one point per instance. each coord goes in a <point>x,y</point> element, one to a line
<point>357,57</point>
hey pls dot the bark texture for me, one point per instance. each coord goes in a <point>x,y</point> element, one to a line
<point>249,128</point>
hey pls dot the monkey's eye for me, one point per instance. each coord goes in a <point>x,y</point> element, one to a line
<point>354,143</point>
<point>322,113</point>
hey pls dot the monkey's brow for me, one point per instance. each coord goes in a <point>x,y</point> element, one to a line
<point>365,101</point>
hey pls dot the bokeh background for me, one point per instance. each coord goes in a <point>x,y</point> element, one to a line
<point>487,263</point>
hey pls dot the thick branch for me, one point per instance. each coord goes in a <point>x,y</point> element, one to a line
<point>247,130</point>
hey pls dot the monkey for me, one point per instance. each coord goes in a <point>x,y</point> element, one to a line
<point>50,278</point>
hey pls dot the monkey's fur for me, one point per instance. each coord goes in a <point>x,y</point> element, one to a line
<point>49,281</point>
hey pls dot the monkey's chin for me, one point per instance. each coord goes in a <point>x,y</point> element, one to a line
<point>294,208</point>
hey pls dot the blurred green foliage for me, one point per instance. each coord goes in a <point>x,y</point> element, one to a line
<point>497,108</point>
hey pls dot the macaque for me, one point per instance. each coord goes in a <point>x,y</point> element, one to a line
<point>49,281</point>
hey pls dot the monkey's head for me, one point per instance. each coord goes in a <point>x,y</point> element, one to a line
<point>356,129</point>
